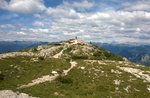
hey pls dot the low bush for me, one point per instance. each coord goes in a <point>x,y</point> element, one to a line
<point>2,76</point>
<point>79,57</point>
<point>34,50</point>
<point>41,58</point>
<point>65,80</point>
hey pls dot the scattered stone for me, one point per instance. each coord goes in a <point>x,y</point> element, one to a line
<point>54,72</point>
<point>17,77</point>
<point>82,67</point>
<point>101,63</point>
<point>120,62</point>
<point>13,54</point>
<point>15,67</point>
<point>116,88</point>
<point>136,72</point>
<point>125,59</point>
<point>102,71</point>
<point>56,93</point>
<point>136,90</point>
<point>34,60</point>
<point>115,71</point>
<point>11,94</point>
<point>117,82</point>
<point>127,88</point>
<point>11,65</point>
<point>148,88</point>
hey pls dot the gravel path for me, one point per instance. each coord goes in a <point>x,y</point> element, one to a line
<point>59,54</point>
<point>48,77</point>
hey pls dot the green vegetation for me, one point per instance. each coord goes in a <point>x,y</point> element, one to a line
<point>96,75</point>
<point>21,70</point>
<point>34,50</point>
<point>64,80</point>
<point>90,83</point>
<point>41,58</point>
<point>79,57</point>
<point>2,76</point>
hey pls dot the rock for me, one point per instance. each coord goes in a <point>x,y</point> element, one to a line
<point>11,94</point>
<point>54,72</point>
<point>11,65</point>
<point>56,93</point>
<point>117,82</point>
<point>82,67</point>
<point>34,60</point>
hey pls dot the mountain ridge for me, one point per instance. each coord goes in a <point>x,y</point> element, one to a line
<point>72,68</point>
<point>132,52</point>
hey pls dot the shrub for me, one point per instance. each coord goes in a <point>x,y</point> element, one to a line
<point>2,76</point>
<point>69,49</point>
<point>79,57</point>
<point>34,50</point>
<point>112,56</point>
<point>97,53</point>
<point>65,80</point>
<point>41,58</point>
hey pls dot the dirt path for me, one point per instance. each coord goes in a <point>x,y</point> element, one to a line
<point>58,54</point>
<point>73,64</point>
<point>48,77</point>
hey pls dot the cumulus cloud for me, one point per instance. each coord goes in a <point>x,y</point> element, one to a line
<point>142,5</point>
<point>3,4</point>
<point>20,33</point>
<point>38,24</point>
<point>5,26</point>
<point>72,18</point>
<point>23,6</point>
<point>105,26</point>
<point>81,6</point>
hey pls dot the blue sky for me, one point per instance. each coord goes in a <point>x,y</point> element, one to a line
<point>108,21</point>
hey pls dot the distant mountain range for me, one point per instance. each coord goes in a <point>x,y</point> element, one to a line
<point>136,53</point>
<point>10,46</point>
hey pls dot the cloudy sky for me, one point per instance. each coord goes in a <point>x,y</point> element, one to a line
<point>109,21</point>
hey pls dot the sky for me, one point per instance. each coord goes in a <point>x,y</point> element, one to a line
<point>105,21</point>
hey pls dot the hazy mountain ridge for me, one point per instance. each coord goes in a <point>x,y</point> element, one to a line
<point>10,46</point>
<point>71,69</point>
<point>136,53</point>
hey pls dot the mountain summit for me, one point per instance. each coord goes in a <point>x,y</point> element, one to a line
<point>71,69</point>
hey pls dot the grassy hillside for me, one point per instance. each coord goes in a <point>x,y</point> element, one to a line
<point>73,69</point>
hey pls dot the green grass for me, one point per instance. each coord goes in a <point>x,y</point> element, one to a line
<point>78,84</point>
<point>95,81</point>
<point>23,70</point>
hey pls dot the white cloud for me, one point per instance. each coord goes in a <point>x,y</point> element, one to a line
<point>67,21</point>
<point>3,4</point>
<point>20,33</point>
<point>62,13</point>
<point>99,15</point>
<point>138,29</point>
<point>38,24</point>
<point>6,26</point>
<point>37,31</point>
<point>23,6</point>
<point>105,26</point>
<point>137,6</point>
<point>83,5</point>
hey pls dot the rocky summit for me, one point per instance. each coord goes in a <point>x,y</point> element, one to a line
<point>71,69</point>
